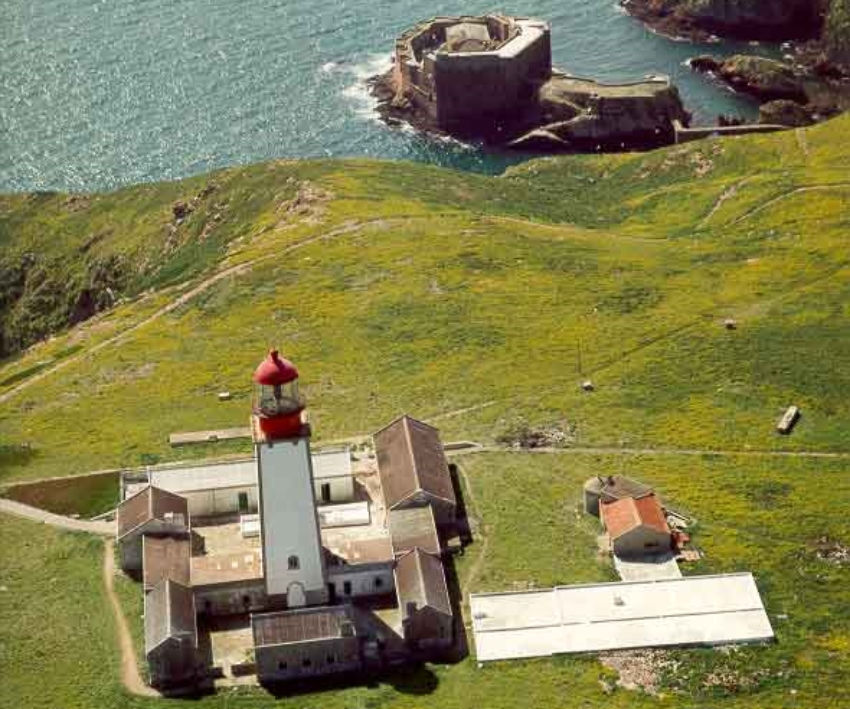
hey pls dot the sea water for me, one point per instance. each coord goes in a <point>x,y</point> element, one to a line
<point>95,94</point>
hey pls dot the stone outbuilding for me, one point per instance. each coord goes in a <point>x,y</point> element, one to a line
<point>636,526</point>
<point>151,511</point>
<point>171,634</point>
<point>609,489</point>
<point>305,643</point>
<point>413,469</point>
<point>427,619</point>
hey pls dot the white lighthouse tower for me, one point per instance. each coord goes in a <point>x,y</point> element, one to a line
<point>293,561</point>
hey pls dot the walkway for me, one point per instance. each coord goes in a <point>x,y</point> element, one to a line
<point>601,450</point>
<point>129,667</point>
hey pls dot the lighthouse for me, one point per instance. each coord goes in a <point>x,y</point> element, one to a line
<point>293,561</point>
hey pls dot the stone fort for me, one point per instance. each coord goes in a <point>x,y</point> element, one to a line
<point>461,69</point>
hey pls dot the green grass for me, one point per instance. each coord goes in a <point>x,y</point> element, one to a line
<point>473,302</point>
<point>430,291</point>
<point>86,496</point>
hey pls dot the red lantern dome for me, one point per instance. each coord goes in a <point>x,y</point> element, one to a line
<point>277,402</point>
<point>274,369</point>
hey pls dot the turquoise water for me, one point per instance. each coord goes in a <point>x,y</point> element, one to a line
<point>95,94</point>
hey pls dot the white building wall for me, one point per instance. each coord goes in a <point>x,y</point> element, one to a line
<point>290,527</point>
<point>209,503</point>
<point>341,489</point>
<point>374,581</point>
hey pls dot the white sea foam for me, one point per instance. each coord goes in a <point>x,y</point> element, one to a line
<point>357,92</point>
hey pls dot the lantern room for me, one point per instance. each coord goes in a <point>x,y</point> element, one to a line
<point>277,401</point>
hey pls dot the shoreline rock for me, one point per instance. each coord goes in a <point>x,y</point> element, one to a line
<point>761,20</point>
<point>570,114</point>
<point>817,93</point>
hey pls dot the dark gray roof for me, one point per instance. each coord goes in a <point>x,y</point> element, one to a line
<point>148,504</point>
<point>413,527</point>
<point>421,580</point>
<point>169,613</point>
<point>411,459</point>
<point>303,624</point>
<point>617,487</point>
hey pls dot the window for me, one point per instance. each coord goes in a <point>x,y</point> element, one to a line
<point>346,588</point>
<point>294,564</point>
<point>326,492</point>
<point>306,662</point>
<point>379,582</point>
<point>281,665</point>
<point>246,601</point>
<point>243,502</point>
<point>330,659</point>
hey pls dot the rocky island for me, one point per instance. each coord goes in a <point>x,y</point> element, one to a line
<point>491,78</point>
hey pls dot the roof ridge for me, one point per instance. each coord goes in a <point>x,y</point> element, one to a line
<point>406,426</point>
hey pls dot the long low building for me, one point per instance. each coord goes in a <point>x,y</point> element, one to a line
<point>230,487</point>
<point>695,610</point>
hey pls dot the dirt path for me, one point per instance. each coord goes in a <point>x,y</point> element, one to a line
<point>478,536</point>
<point>786,195</point>
<point>204,285</point>
<point>610,450</point>
<point>34,514</point>
<point>725,196</point>
<point>800,135</point>
<point>130,676</point>
<point>572,230</point>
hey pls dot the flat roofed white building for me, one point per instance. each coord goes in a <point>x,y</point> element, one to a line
<point>229,487</point>
<point>696,610</point>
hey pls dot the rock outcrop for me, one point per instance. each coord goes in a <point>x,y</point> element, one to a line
<point>785,113</point>
<point>582,115</point>
<point>820,91</point>
<point>742,19</point>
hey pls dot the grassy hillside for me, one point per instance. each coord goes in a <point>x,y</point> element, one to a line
<point>474,301</point>
<point>477,303</point>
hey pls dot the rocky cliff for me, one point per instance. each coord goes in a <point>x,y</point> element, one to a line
<point>743,19</point>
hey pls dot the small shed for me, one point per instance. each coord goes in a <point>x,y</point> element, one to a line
<point>171,634</point>
<point>150,511</point>
<point>413,468</point>
<point>306,642</point>
<point>636,526</point>
<point>423,599</point>
<point>788,421</point>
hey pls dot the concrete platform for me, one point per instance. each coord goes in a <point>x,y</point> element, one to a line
<point>648,568</point>
<point>697,610</point>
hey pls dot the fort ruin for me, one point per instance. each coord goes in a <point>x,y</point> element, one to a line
<point>461,69</point>
<point>490,78</point>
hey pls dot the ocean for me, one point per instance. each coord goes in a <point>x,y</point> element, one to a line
<point>96,94</point>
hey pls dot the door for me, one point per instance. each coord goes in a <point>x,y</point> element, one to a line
<point>243,502</point>
<point>326,492</point>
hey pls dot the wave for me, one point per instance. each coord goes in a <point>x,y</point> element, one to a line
<point>357,91</point>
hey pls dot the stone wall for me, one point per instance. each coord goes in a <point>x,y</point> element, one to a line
<point>455,87</point>
<point>483,85</point>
